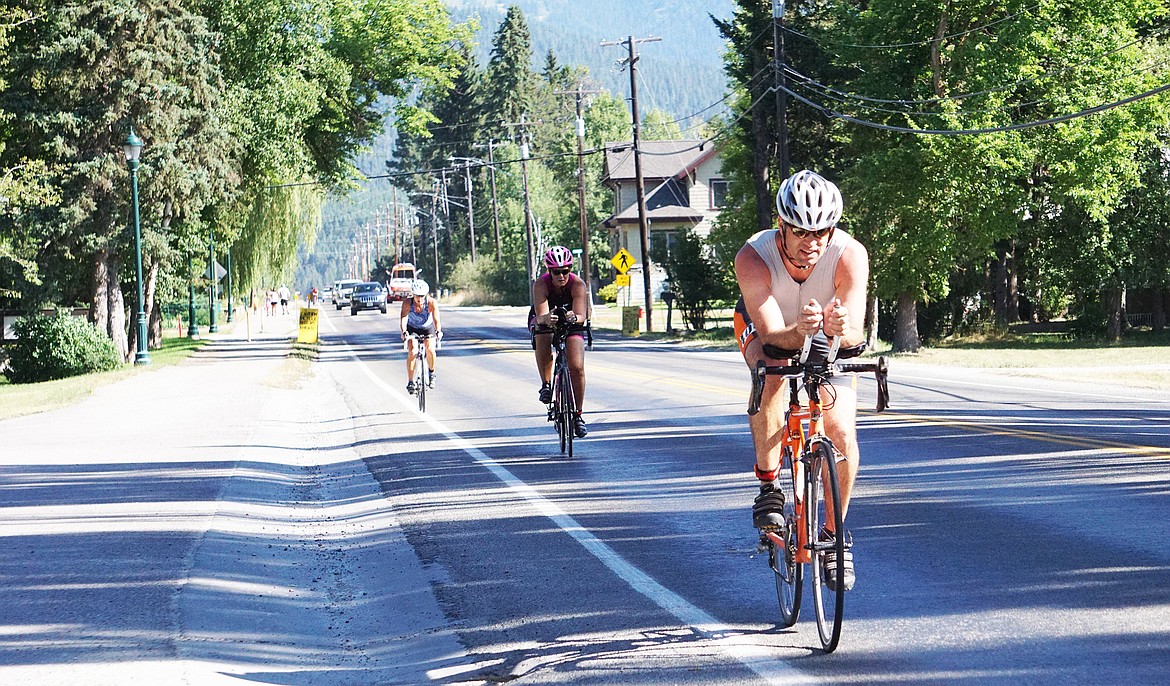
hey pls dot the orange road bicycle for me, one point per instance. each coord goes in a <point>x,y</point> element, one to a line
<point>811,492</point>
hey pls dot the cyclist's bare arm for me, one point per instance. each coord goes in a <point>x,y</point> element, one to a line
<point>431,303</point>
<point>540,303</point>
<point>845,316</point>
<point>580,301</point>
<point>755,284</point>
<point>402,319</point>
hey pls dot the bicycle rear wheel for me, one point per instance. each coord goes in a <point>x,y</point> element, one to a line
<point>824,494</point>
<point>782,556</point>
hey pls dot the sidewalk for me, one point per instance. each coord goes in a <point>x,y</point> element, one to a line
<point>202,521</point>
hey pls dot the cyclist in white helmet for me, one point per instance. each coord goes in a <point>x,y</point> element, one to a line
<point>804,278</point>
<point>420,316</point>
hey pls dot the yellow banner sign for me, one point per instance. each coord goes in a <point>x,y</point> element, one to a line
<point>622,280</point>
<point>308,328</point>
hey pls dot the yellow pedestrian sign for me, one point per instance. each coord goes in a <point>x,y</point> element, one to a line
<point>622,261</point>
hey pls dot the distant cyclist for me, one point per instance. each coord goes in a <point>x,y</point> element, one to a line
<point>420,316</point>
<point>805,278</point>
<point>560,287</point>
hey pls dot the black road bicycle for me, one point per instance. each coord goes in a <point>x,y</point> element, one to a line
<point>562,410</point>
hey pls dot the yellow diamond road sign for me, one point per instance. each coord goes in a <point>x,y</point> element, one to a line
<point>622,261</point>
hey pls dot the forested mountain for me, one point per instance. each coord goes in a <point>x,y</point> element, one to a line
<point>682,73</point>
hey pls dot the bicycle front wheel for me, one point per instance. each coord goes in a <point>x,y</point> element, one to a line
<point>782,555</point>
<point>422,386</point>
<point>824,494</point>
<point>566,411</point>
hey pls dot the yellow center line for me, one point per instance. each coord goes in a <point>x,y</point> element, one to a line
<point>977,427</point>
<point>888,416</point>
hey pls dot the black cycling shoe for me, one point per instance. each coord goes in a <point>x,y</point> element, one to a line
<point>545,393</point>
<point>579,428</point>
<point>431,379</point>
<point>410,387</point>
<point>830,561</point>
<point>768,510</point>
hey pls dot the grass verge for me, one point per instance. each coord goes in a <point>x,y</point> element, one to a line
<point>17,400</point>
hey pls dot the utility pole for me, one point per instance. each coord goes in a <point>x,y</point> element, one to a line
<point>470,210</point>
<point>495,203</point>
<point>643,226</point>
<point>778,78</point>
<point>580,94</point>
<point>435,232</point>
<point>527,199</point>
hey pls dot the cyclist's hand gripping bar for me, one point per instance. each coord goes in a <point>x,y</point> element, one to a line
<point>761,372</point>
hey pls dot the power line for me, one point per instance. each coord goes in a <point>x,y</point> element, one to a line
<point>963,96</point>
<point>994,129</point>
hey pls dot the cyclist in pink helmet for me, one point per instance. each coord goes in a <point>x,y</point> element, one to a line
<point>560,287</point>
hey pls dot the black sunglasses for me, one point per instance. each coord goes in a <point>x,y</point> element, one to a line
<point>799,233</point>
<point>559,272</point>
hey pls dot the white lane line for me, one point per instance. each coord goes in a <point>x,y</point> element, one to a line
<point>734,644</point>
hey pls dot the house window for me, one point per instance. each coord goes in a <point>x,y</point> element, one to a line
<point>718,192</point>
<point>662,245</point>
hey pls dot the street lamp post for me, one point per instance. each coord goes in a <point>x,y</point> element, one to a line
<point>229,285</point>
<point>213,328</point>
<point>132,148</point>
<point>192,327</point>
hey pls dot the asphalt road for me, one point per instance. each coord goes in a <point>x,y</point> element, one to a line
<point>321,530</point>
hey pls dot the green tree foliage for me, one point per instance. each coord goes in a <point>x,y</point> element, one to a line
<point>660,125</point>
<point>251,112</point>
<point>694,278</point>
<point>510,72</point>
<point>932,205</point>
<point>78,76</point>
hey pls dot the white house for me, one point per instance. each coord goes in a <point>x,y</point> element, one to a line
<point>684,189</point>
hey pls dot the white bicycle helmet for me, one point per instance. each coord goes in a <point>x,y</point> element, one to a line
<point>419,287</point>
<point>809,201</point>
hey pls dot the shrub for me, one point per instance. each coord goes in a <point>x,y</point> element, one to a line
<point>488,282</point>
<point>608,293</point>
<point>56,347</point>
<point>695,277</point>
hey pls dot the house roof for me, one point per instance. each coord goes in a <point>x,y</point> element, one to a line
<point>658,215</point>
<point>660,159</point>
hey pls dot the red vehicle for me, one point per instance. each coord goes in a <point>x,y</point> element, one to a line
<point>401,275</point>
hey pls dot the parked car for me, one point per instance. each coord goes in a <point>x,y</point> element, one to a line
<point>327,294</point>
<point>342,290</point>
<point>367,296</point>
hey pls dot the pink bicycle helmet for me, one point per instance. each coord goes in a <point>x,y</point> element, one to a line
<point>558,256</point>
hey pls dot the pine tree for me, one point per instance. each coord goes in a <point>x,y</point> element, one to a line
<point>510,80</point>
